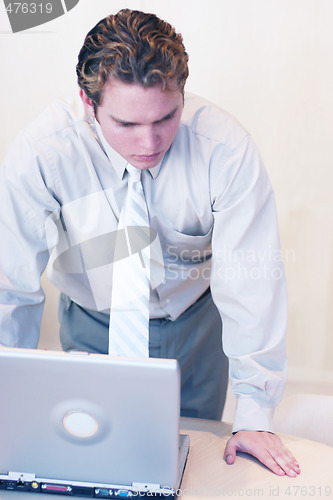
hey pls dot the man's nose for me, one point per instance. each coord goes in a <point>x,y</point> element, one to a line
<point>149,139</point>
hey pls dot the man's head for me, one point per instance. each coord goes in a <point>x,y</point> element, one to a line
<point>132,47</point>
<point>132,70</point>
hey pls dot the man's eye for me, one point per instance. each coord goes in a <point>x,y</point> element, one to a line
<point>166,118</point>
<point>124,124</point>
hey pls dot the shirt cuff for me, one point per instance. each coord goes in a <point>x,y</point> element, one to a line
<point>252,415</point>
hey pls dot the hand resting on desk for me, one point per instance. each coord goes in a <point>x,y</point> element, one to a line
<point>266,447</point>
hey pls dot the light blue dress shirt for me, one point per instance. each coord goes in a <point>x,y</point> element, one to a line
<point>211,206</point>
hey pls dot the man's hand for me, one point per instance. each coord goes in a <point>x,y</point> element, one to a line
<point>266,447</point>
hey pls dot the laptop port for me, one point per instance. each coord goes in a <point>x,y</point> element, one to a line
<point>123,493</point>
<point>83,491</point>
<point>34,485</point>
<point>56,488</point>
<point>103,492</point>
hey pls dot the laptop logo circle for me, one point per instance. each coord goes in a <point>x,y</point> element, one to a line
<point>80,424</point>
<point>80,421</point>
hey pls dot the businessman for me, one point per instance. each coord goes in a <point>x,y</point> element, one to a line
<point>217,297</point>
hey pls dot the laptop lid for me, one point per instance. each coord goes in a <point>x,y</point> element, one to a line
<point>90,418</point>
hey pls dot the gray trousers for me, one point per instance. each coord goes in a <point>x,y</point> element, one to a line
<point>194,339</point>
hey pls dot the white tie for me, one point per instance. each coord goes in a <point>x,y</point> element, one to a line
<point>129,313</point>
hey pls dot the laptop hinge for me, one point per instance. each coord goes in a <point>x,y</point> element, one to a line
<point>151,487</point>
<point>146,487</point>
<point>21,476</point>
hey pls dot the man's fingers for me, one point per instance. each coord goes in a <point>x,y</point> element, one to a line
<point>287,462</point>
<point>230,452</point>
<point>282,456</point>
<point>271,463</point>
<point>275,461</point>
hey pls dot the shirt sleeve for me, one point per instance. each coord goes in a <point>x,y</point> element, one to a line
<point>248,283</point>
<point>25,205</point>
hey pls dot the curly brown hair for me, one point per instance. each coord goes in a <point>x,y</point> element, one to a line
<point>134,47</point>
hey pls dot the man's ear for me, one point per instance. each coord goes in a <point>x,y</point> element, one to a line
<point>88,104</point>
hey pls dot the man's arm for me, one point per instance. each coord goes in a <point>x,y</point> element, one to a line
<point>249,289</point>
<point>24,203</point>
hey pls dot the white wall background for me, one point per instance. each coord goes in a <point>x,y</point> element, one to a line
<point>269,62</point>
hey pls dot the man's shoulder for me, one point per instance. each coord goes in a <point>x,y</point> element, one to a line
<point>210,121</point>
<point>60,117</point>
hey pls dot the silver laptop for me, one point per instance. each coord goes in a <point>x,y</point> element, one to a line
<point>90,425</point>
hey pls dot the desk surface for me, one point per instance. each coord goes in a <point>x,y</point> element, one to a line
<point>208,475</point>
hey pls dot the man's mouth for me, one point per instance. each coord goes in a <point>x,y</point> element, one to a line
<point>149,157</point>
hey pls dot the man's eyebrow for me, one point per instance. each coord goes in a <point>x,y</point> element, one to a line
<point>166,117</point>
<point>169,115</point>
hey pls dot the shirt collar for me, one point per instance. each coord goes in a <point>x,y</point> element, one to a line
<point>117,161</point>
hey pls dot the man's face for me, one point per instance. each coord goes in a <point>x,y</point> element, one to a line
<point>139,123</point>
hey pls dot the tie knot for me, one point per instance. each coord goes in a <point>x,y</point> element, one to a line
<point>134,173</point>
